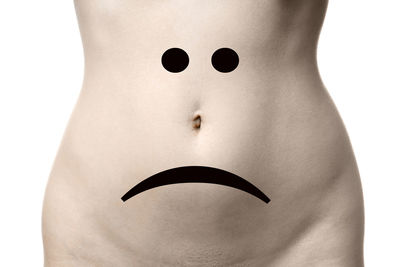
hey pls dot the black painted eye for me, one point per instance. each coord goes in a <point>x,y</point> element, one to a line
<point>175,60</point>
<point>225,60</point>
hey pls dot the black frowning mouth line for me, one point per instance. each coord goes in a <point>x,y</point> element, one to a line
<point>195,174</point>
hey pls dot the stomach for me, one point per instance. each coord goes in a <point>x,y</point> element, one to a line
<point>270,121</point>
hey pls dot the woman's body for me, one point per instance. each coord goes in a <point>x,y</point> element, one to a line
<point>269,121</point>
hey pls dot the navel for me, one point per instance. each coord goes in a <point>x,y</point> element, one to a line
<point>196,121</point>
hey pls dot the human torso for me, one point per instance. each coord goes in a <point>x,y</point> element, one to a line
<point>270,121</point>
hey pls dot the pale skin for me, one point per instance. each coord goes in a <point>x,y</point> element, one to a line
<point>270,121</point>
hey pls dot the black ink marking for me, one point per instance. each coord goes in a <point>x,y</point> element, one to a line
<point>225,60</point>
<point>196,174</point>
<point>175,60</point>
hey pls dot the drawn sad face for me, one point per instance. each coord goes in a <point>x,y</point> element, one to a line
<point>176,60</point>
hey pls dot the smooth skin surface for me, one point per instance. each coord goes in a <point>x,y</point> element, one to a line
<point>270,121</point>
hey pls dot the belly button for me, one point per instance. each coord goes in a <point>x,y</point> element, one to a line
<point>196,123</point>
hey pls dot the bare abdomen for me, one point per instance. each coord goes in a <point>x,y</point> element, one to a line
<point>269,121</point>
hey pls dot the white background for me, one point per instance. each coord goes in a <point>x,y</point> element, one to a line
<point>41,71</point>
